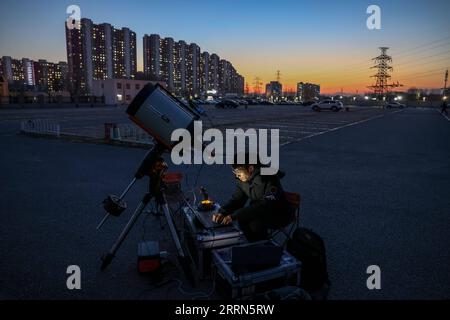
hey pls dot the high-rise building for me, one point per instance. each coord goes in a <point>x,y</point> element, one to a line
<point>214,72</point>
<point>168,62</point>
<point>13,71</point>
<point>152,57</point>
<point>224,76</point>
<point>186,70</point>
<point>193,70</point>
<point>204,72</point>
<point>274,90</point>
<point>180,60</point>
<point>28,72</point>
<point>239,84</point>
<point>51,77</point>
<point>308,91</point>
<point>99,51</point>
<point>42,75</point>
<point>124,54</point>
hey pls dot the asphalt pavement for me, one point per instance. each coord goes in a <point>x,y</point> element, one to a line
<point>377,190</point>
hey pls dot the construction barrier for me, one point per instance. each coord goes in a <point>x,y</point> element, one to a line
<point>129,133</point>
<point>41,127</point>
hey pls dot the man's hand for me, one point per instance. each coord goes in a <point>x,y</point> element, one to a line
<point>227,220</point>
<point>220,218</point>
<point>217,218</point>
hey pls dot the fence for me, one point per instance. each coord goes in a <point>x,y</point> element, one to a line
<point>129,133</point>
<point>40,126</point>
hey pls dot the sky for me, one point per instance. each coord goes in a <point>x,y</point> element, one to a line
<point>324,42</point>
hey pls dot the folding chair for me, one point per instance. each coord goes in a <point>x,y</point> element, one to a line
<point>294,200</point>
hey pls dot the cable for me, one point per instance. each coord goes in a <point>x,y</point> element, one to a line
<point>396,54</point>
<point>366,70</point>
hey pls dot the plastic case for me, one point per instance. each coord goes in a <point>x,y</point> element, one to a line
<point>201,241</point>
<point>247,285</point>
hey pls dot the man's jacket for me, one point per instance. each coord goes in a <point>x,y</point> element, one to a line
<point>263,193</point>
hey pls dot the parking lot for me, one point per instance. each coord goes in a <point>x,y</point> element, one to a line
<point>374,185</point>
<point>294,122</point>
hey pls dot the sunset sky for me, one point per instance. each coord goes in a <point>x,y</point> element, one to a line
<point>325,42</point>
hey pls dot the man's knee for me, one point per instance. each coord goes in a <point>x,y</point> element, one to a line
<point>257,226</point>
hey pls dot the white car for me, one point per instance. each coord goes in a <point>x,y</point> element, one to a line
<point>391,105</point>
<point>332,105</point>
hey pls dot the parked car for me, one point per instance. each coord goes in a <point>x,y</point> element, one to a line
<point>266,102</point>
<point>252,102</point>
<point>332,105</point>
<point>308,103</point>
<point>183,100</point>
<point>227,104</point>
<point>392,105</point>
<point>286,103</point>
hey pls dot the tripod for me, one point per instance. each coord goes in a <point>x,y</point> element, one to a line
<point>154,167</point>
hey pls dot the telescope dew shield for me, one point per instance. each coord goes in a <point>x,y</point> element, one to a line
<point>159,113</point>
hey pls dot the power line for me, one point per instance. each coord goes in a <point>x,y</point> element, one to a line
<point>398,55</point>
<point>363,73</point>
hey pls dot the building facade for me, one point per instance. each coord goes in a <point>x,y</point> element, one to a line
<point>204,73</point>
<point>214,60</point>
<point>274,91</point>
<point>51,77</point>
<point>193,70</point>
<point>187,70</point>
<point>119,91</point>
<point>180,59</point>
<point>152,57</point>
<point>98,52</point>
<point>41,75</point>
<point>308,91</point>
<point>168,62</point>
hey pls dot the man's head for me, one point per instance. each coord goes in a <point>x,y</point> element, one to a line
<point>244,166</point>
<point>243,173</point>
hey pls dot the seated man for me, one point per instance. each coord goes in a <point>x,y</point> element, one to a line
<point>268,208</point>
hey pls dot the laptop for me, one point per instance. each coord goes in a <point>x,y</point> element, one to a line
<point>205,218</point>
<point>255,258</point>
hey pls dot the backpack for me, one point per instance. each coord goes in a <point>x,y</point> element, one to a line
<point>308,247</point>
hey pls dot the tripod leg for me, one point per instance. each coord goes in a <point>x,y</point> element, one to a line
<point>185,259</point>
<point>103,221</point>
<point>110,255</point>
<point>172,229</point>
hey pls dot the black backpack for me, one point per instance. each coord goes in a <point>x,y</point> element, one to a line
<point>308,247</point>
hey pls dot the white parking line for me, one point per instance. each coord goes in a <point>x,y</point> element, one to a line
<point>337,128</point>
<point>446,117</point>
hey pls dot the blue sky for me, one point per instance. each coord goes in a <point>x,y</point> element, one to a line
<point>258,37</point>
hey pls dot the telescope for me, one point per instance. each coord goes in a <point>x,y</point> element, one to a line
<point>159,113</point>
